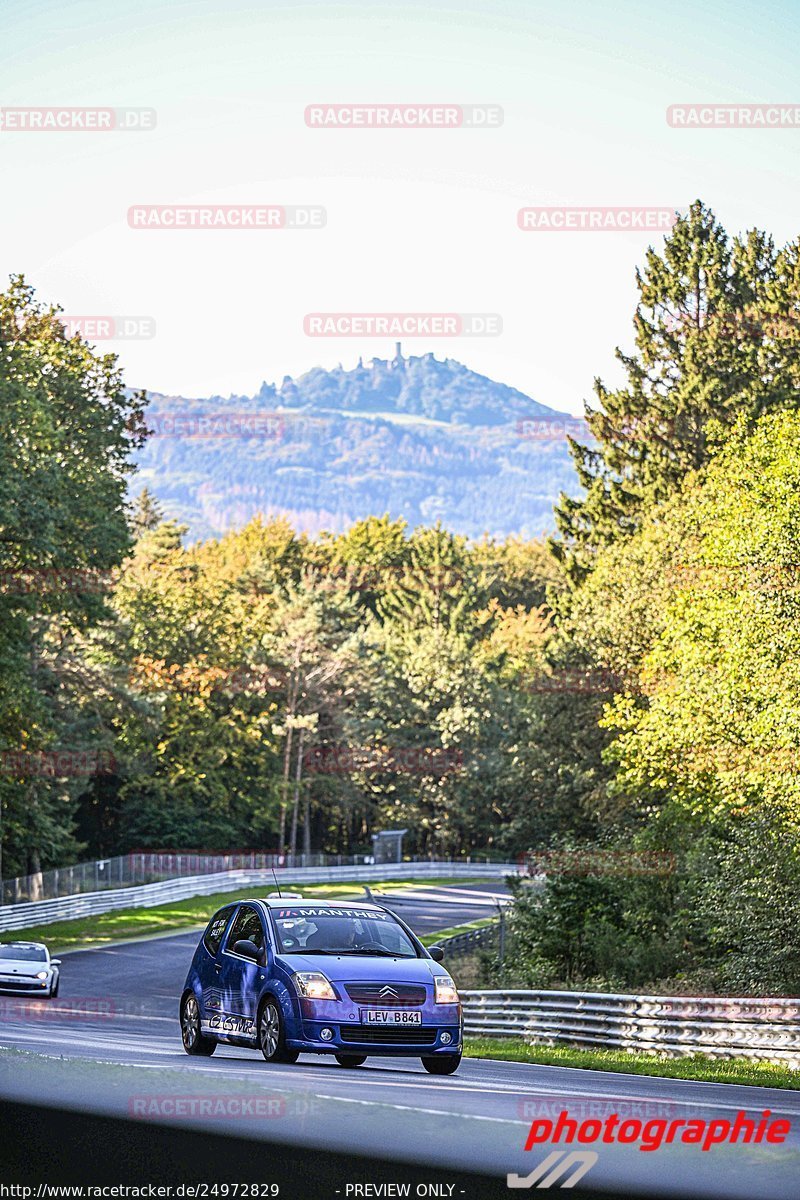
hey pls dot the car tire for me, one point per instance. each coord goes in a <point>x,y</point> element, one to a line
<point>351,1060</point>
<point>272,1035</point>
<point>54,989</point>
<point>441,1064</point>
<point>193,1040</point>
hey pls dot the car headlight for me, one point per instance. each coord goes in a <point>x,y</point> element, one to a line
<point>42,974</point>
<point>446,991</point>
<point>313,985</point>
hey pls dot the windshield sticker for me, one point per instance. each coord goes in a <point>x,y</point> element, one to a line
<point>297,914</point>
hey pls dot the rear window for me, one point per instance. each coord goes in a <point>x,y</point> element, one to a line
<point>216,927</point>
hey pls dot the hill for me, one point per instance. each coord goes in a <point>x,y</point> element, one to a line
<point>419,438</point>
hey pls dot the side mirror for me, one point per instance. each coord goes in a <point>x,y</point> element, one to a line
<point>247,949</point>
<point>55,962</point>
<point>436,953</point>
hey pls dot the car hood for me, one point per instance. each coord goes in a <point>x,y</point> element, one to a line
<point>21,966</point>
<point>364,967</point>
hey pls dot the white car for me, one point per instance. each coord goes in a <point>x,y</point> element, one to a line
<point>27,968</point>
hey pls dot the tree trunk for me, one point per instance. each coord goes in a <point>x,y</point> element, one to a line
<point>297,776</point>
<point>287,757</point>
<point>36,875</point>
<point>307,825</point>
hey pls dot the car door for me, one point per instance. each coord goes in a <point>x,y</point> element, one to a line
<point>239,978</point>
<point>206,963</point>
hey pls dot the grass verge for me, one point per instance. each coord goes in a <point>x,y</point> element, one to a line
<point>128,923</point>
<point>697,1067</point>
<point>433,939</point>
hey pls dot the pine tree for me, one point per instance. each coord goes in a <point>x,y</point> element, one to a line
<point>698,359</point>
<point>147,513</point>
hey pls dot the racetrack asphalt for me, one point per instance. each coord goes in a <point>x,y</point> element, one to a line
<point>111,1043</point>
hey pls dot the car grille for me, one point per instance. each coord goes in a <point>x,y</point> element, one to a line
<point>406,995</point>
<point>21,983</point>
<point>419,1036</point>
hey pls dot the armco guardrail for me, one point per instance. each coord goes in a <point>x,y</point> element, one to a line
<point>470,940</point>
<point>764,1030</point>
<point>67,908</point>
<point>148,866</point>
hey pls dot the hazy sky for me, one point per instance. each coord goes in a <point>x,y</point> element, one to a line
<point>417,220</point>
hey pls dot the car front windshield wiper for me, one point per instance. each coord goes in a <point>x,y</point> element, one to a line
<point>350,952</point>
<point>383,953</point>
<point>313,950</point>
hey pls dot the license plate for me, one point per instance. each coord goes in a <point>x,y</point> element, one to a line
<point>390,1016</point>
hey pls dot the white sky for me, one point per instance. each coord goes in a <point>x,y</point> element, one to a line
<point>417,220</point>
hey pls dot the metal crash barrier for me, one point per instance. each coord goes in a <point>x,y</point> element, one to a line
<point>763,1030</point>
<point>67,908</point>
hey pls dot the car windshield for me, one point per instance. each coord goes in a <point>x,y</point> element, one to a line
<point>24,953</point>
<point>341,931</point>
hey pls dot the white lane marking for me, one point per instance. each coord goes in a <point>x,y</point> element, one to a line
<point>50,1020</point>
<point>430,897</point>
<point>450,891</point>
<point>432,1112</point>
<point>166,1048</point>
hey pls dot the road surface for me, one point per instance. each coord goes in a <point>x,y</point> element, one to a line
<point>111,1043</point>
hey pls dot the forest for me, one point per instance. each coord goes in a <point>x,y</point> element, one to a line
<point>616,705</point>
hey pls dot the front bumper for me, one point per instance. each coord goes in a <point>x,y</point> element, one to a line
<point>349,1039</point>
<point>351,1035</point>
<point>25,986</point>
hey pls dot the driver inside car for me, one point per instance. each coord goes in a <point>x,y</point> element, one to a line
<point>333,935</point>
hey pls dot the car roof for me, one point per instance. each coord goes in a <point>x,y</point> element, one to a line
<point>306,902</point>
<point>26,945</point>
